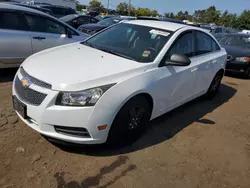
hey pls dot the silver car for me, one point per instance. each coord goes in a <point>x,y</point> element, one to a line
<point>25,31</point>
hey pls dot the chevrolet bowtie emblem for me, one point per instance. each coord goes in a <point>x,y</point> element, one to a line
<point>26,82</point>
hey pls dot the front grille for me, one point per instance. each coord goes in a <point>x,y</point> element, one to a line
<point>34,80</point>
<point>28,95</point>
<point>72,131</point>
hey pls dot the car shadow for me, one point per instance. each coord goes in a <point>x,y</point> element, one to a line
<point>164,127</point>
<point>7,75</point>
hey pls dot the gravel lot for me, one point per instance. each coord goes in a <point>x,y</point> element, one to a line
<point>202,144</point>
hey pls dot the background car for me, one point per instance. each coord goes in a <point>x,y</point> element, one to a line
<point>238,48</point>
<point>45,10</point>
<point>25,31</point>
<point>58,11</point>
<point>91,29</point>
<point>75,20</point>
<point>101,17</point>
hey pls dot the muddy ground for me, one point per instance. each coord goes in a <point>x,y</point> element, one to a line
<point>201,144</point>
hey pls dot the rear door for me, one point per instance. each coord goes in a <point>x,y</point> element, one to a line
<point>46,33</point>
<point>15,42</point>
<point>208,52</point>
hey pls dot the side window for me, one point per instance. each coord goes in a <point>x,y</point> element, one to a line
<point>205,44</point>
<point>44,25</point>
<point>12,21</point>
<point>183,46</point>
<point>215,46</point>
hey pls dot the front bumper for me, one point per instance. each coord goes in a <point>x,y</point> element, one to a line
<point>235,66</point>
<point>44,117</point>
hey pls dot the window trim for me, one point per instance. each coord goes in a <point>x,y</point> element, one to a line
<point>196,43</point>
<point>161,64</point>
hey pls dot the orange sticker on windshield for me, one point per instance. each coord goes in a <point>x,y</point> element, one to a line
<point>146,53</point>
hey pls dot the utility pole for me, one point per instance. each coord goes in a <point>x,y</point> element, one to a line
<point>129,6</point>
<point>108,5</point>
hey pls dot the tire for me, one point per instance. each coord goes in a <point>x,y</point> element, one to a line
<point>130,122</point>
<point>247,73</point>
<point>214,86</point>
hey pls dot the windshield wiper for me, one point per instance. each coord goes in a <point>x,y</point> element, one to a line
<point>116,53</point>
<point>89,44</point>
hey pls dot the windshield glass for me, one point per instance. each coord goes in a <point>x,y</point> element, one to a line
<point>99,17</point>
<point>68,17</point>
<point>237,40</point>
<point>109,21</point>
<point>135,42</point>
<point>217,30</point>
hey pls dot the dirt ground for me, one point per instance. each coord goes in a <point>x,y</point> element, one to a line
<point>201,144</point>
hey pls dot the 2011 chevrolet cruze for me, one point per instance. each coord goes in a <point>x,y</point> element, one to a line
<point>108,87</point>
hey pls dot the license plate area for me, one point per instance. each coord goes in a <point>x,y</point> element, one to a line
<point>19,107</point>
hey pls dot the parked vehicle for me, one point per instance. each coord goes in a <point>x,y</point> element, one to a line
<point>25,31</point>
<point>160,19</point>
<point>238,49</point>
<point>91,29</point>
<point>45,10</point>
<point>100,17</point>
<point>114,82</point>
<point>75,20</point>
<point>59,11</point>
<point>219,31</point>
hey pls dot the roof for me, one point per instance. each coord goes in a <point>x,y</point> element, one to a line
<point>238,34</point>
<point>170,26</point>
<point>21,8</point>
<point>160,19</point>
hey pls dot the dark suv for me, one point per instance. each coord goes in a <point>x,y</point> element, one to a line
<point>59,11</point>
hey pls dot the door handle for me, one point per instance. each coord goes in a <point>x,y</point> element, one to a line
<point>194,69</point>
<point>39,38</point>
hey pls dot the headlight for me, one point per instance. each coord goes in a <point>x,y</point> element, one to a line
<point>243,59</point>
<point>87,97</point>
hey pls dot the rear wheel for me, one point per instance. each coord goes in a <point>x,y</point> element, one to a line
<point>247,73</point>
<point>130,122</point>
<point>215,85</point>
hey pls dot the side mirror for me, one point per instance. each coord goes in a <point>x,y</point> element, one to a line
<point>178,60</point>
<point>69,33</point>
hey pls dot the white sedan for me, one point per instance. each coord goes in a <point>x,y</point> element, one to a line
<point>107,88</point>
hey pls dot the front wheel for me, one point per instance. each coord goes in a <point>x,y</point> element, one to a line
<point>215,85</point>
<point>130,122</point>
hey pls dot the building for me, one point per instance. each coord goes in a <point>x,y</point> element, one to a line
<point>65,3</point>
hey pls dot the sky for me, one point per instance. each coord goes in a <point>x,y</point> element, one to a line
<point>162,6</point>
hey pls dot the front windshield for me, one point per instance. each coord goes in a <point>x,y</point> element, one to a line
<point>68,17</point>
<point>134,42</point>
<point>109,21</point>
<point>99,17</point>
<point>237,40</point>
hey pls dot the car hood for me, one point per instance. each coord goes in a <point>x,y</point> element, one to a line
<point>237,51</point>
<point>92,26</point>
<point>75,67</point>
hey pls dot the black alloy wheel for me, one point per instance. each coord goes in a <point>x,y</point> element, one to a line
<point>130,122</point>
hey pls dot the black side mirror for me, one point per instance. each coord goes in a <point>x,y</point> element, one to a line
<point>69,33</point>
<point>178,60</point>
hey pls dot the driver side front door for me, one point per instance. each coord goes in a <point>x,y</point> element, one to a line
<point>176,83</point>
